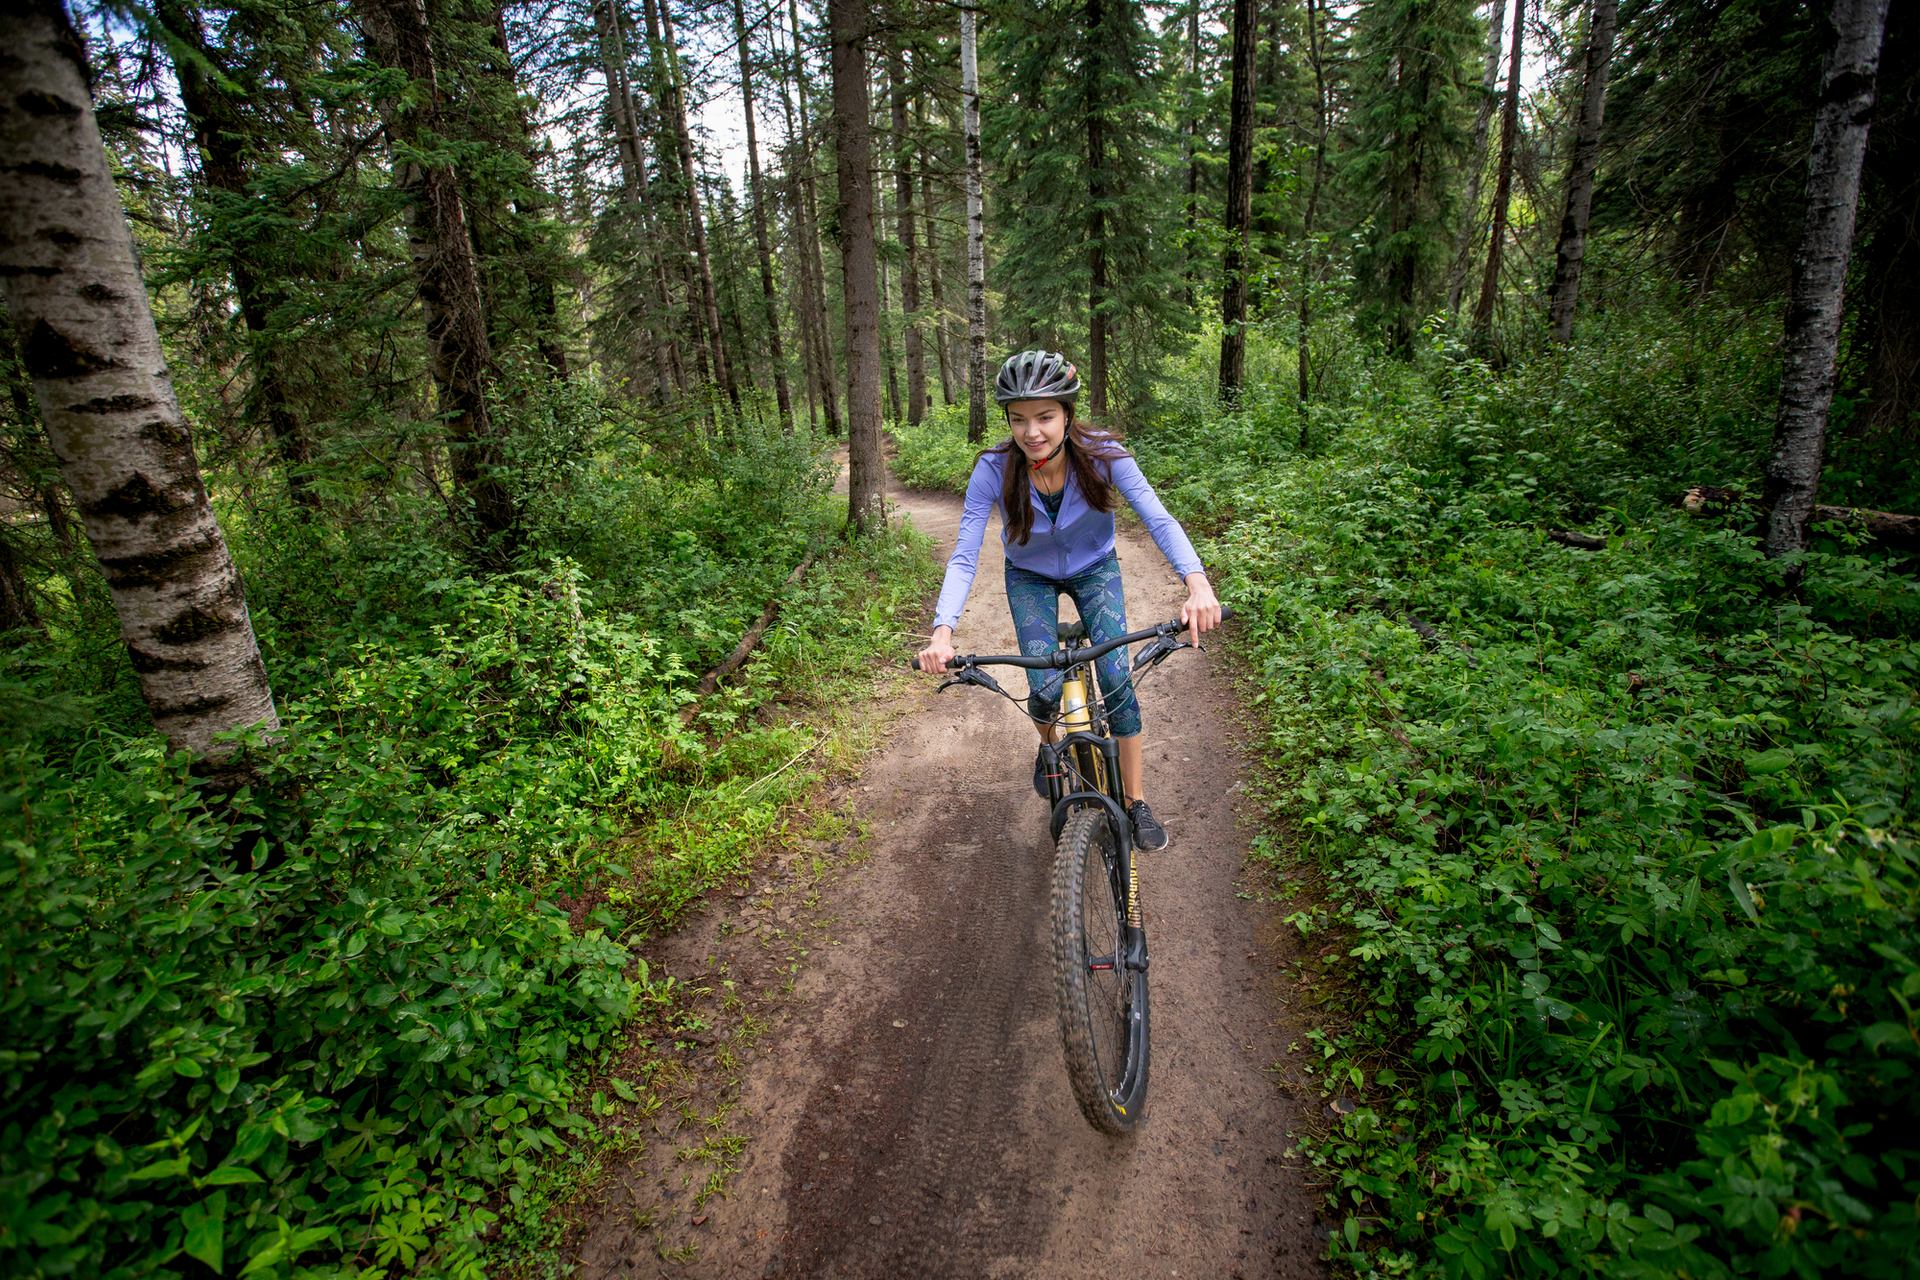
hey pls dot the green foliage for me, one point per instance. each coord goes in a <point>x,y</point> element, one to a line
<point>1416,79</point>
<point>1621,874</point>
<point>344,1021</point>
<point>936,454</point>
<point>1058,73</point>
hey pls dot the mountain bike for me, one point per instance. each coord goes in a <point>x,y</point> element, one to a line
<point>1099,938</point>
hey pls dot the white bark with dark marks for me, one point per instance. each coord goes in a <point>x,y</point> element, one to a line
<point>1815,304</point>
<point>88,339</point>
<point>976,233</point>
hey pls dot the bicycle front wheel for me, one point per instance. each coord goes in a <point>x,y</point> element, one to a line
<point>1102,1002</point>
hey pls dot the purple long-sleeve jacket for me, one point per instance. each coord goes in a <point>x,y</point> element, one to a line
<point>1079,539</point>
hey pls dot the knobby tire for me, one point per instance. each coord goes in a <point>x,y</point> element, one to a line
<point>1103,1013</point>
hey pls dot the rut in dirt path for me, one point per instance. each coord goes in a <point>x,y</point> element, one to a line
<point>912,1116</point>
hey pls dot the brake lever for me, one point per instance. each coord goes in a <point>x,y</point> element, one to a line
<point>1158,650</point>
<point>970,675</point>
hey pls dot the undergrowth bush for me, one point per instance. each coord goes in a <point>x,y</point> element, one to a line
<point>936,454</point>
<point>338,1026</point>
<point>1618,848</point>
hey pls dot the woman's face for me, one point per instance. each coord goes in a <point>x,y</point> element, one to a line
<point>1038,426</point>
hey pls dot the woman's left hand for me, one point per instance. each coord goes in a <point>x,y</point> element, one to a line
<point>1201,612</point>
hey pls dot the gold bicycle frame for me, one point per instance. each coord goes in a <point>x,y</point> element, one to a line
<point>1077,717</point>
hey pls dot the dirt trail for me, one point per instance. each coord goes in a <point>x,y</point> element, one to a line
<point>909,1114</point>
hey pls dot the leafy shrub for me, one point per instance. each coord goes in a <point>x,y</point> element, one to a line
<point>1620,861</point>
<point>936,454</point>
<point>341,1023</point>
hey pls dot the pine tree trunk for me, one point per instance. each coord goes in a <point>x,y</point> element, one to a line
<point>1094,80</point>
<point>1477,159</point>
<point>934,273</point>
<point>756,190</point>
<point>218,126</point>
<point>886,329</point>
<point>529,268</point>
<point>696,214</point>
<point>1192,145</point>
<point>673,110</point>
<point>910,265</point>
<point>852,136</point>
<point>1814,310</point>
<point>449,278</point>
<point>1571,251</point>
<point>89,344</point>
<point>1309,254</point>
<point>667,368</point>
<point>976,234</point>
<point>1503,181</point>
<point>823,329</point>
<point>1239,212</point>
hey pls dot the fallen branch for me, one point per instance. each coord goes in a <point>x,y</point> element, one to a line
<point>1889,527</point>
<point>1422,628</point>
<point>711,681</point>
<point>1578,541</point>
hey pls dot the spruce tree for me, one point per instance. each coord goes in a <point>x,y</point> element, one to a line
<point>1088,212</point>
<point>1416,67</point>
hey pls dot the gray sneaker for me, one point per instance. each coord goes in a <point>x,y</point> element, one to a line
<point>1148,834</point>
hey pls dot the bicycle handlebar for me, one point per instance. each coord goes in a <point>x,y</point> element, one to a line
<point>1062,658</point>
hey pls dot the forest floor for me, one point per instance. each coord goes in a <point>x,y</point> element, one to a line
<point>871,1084</point>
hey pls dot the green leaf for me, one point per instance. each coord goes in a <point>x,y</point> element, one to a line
<point>230,1175</point>
<point>1761,763</point>
<point>1738,884</point>
<point>206,1225</point>
<point>624,1089</point>
<point>174,1168</point>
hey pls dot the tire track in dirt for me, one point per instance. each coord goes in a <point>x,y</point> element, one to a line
<point>912,1116</point>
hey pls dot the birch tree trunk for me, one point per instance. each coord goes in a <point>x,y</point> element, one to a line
<point>852,135</point>
<point>1239,211</point>
<point>443,262</point>
<point>1503,180</point>
<point>1571,252</point>
<point>910,266</point>
<point>1847,84</point>
<point>756,190</point>
<point>89,344</point>
<point>976,233</point>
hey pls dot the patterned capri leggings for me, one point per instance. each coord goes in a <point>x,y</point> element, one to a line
<point>1035,601</point>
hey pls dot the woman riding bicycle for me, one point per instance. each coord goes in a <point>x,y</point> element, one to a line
<point>1053,481</point>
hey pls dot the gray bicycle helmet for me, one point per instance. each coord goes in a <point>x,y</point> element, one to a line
<point>1037,375</point>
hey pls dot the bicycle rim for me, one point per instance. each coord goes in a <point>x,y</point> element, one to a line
<point>1102,1003</point>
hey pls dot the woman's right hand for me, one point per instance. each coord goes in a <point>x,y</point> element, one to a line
<point>934,658</point>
